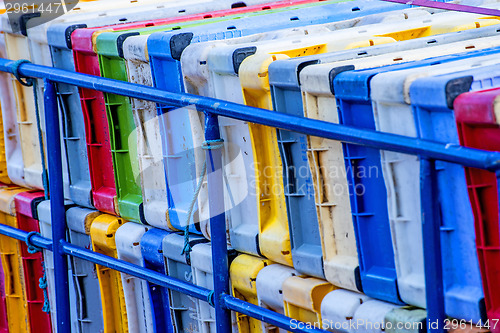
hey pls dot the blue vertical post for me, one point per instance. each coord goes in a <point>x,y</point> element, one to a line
<point>58,214</point>
<point>431,228</point>
<point>217,222</point>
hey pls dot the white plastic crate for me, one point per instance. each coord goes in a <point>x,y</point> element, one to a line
<point>136,291</point>
<point>149,142</point>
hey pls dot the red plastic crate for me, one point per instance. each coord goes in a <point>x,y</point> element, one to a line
<point>26,205</point>
<point>479,128</point>
<point>4,326</point>
<point>94,110</point>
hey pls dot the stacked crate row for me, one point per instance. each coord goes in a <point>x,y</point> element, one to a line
<point>325,232</point>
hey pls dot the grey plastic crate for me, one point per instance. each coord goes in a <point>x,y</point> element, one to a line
<point>183,306</point>
<point>87,293</point>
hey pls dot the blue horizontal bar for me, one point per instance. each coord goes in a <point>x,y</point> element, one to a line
<point>39,241</point>
<point>166,281</point>
<point>385,141</point>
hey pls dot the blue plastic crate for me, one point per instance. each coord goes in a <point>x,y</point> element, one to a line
<point>166,48</point>
<point>152,250</point>
<point>45,222</point>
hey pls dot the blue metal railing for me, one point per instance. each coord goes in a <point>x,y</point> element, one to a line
<point>220,298</point>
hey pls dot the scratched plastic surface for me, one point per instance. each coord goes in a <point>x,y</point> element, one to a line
<point>243,273</point>
<point>201,265</point>
<point>269,286</point>
<point>6,101</point>
<point>303,295</point>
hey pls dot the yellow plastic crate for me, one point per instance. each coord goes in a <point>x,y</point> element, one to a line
<point>243,272</point>
<point>102,233</point>
<point>10,252</point>
<point>302,297</point>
